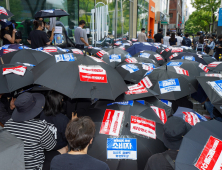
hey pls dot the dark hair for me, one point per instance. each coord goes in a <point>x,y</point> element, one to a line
<point>82,22</point>
<point>187,35</point>
<point>143,29</point>
<point>160,30</point>
<point>179,33</point>
<point>220,36</point>
<point>53,103</point>
<point>37,23</point>
<point>79,132</point>
<point>198,33</point>
<point>172,38</point>
<point>201,39</point>
<point>211,37</point>
<point>168,33</point>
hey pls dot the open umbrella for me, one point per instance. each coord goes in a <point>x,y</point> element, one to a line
<point>54,50</point>
<point>201,147</point>
<point>171,50</point>
<point>151,55</point>
<point>215,66</point>
<point>136,48</point>
<point>51,13</point>
<point>4,13</point>
<point>78,76</point>
<point>11,47</point>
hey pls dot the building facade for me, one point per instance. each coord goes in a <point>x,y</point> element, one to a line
<point>175,13</point>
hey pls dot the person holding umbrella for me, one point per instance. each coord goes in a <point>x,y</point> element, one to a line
<point>7,36</point>
<point>173,131</point>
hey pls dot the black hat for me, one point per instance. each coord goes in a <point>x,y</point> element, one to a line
<point>28,106</point>
<point>174,130</point>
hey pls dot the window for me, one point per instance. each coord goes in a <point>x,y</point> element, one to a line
<point>171,15</point>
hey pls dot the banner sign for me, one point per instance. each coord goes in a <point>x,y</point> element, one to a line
<point>211,155</point>
<point>169,85</point>
<point>174,63</point>
<point>142,126</point>
<point>101,53</point>
<point>146,82</point>
<point>77,51</point>
<point>144,55</point>
<point>203,67</point>
<point>125,103</point>
<point>180,70</point>
<point>130,67</point>
<point>111,123</point>
<point>136,89</point>
<point>191,118</point>
<point>19,70</point>
<point>160,113</point>
<point>115,58</point>
<point>131,60</point>
<point>122,148</point>
<point>191,58</point>
<point>65,57</point>
<point>217,86</point>
<point>214,64</point>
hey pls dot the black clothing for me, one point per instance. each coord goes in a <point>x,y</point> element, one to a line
<point>77,162</point>
<point>4,114</point>
<point>49,34</point>
<point>158,37</point>
<point>159,162</point>
<point>81,47</point>
<point>38,38</point>
<point>186,42</point>
<point>182,102</point>
<point>49,155</point>
<point>173,42</point>
<point>218,50</point>
<point>18,35</point>
<point>6,41</point>
<point>57,125</point>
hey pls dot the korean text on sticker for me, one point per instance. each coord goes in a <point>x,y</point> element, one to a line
<point>158,57</point>
<point>144,55</point>
<point>190,58</point>
<point>214,64</point>
<point>130,67</point>
<point>5,51</point>
<point>173,63</point>
<point>50,49</point>
<point>77,51</point>
<point>64,57</point>
<point>19,70</point>
<point>131,60</point>
<point>217,86</point>
<point>180,70</point>
<point>146,82</point>
<point>136,89</point>
<point>169,85</point>
<point>190,118</point>
<point>160,113</point>
<point>115,58</point>
<point>203,67</point>
<point>173,55</point>
<point>125,103</point>
<point>101,53</point>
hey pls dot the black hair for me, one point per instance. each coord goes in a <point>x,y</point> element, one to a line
<point>82,22</point>
<point>143,29</point>
<point>172,38</point>
<point>187,35</point>
<point>201,39</point>
<point>220,36</point>
<point>168,33</point>
<point>37,23</point>
<point>211,37</point>
<point>198,33</point>
<point>179,33</point>
<point>53,103</point>
<point>160,30</point>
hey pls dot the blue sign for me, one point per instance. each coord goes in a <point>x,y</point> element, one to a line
<point>5,46</point>
<point>122,148</point>
<point>141,101</point>
<point>64,57</point>
<point>23,47</point>
<point>191,58</point>
<point>168,103</point>
<point>38,49</point>
<point>130,67</point>
<point>149,64</point>
<point>64,50</point>
<point>202,118</point>
<point>220,14</point>
<point>130,102</point>
<point>128,55</point>
<point>144,55</point>
<point>169,85</point>
<point>114,58</point>
<point>174,63</point>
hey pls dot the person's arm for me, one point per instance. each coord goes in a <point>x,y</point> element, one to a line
<point>52,35</point>
<point>29,41</point>
<point>161,40</point>
<point>82,39</point>
<point>211,45</point>
<point>10,38</point>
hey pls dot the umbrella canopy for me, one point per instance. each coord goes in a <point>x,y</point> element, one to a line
<point>51,13</point>
<point>11,47</point>
<point>78,76</point>
<point>202,143</point>
<point>4,13</point>
<point>24,56</point>
<point>171,50</point>
<point>215,66</point>
<point>208,59</point>
<point>93,50</point>
<point>55,50</point>
<point>14,77</point>
<point>136,48</point>
<point>151,55</point>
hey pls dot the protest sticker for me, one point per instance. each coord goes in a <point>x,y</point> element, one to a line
<point>172,63</point>
<point>134,39</point>
<point>146,67</point>
<point>131,60</point>
<point>130,67</point>
<point>122,148</point>
<point>64,57</point>
<point>122,47</point>
<point>136,89</point>
<point>115,58</point>
<point>101,53</point>
<point>77,51</point>
<point>211,155</point>
<point>142,126</point>
<point>58,30</point>
<point>118,43</point>
<point>92,73</point>
<point>97,59</point>
<point>173,55</point>
<point>203,67</point>
<point>214,64</point>
<point>5,51</point>
<point>128,55</point>
<point>50,49</point>
<point>23,47</point>
<point>158,57</point>
<point>213,75</point>
<point>19,70</point>
<point>144,55</point>
<point>190,118</point>
<point>217,86</point>
<point>167,49</point>
<point>5,46</point>
<point>48,11</point>
<point>169,85</point>
<point>180,70</point>
<point>62,49</point>
<point>162,51</point>
<point>148,72</point>
<point>146,82</point>
<point>3,11</point>
<point>125,103</point>
<point>166,102</point>
<point>149,64</point>
<point>160,113</point>
<point>176,50</point>
<point>190,58</point>
<point>111,123</point>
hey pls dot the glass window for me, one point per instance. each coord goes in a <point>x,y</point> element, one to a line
<point>142,15</point>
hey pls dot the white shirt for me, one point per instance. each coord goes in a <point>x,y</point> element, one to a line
<point>166,40</point>
<point>179,40</point>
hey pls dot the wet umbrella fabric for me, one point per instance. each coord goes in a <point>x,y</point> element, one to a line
<point>208,59</point>
<point>4,13</point>
<point>215,66</point>
<point>51,13</point>
<point>136,48</point>
<point>93,50</point>
<point>194,142</point>
<point>151,55</point>
<point>64,77</point>
<point>54,50</point>
<point>11,47</point>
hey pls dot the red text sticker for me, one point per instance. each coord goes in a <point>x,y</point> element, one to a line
<point>214,64</point>
<point>146,82</point>
<point>50,49</point>
<point>158,57</point>
<point>136,89</point>
<point>180,70</point>
<point>191,118</point>
<point>177,50</point>
<point>101,53</point>
<point>131,60</point>
<point>19,70</point>
<point>160,113</point>
<point>203,67</point>
<point>5,51</point>
<point>77,51</point>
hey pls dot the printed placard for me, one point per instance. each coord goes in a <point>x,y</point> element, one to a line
<point>214,64</point>
<point>130,67</point>
<point>169,85</point>
<point>5,51</point>
<point>3,11</point>
<point>173,63</point>
<point>217,86</point>
<point>131,60</point>
<point>64,50</point>
<point>191,58</point>
<point>77,51</point>
<point>177,50</point>
<point>191,118</point>
<point>142,126</point>
<point>148,64</point>
<point>111,123</point>
<point>144,55</point>
<point>92,73</point>
<point>180,70</point>
<point>101,53</point>
<point>158,57</point>
<point>122,148</point>
<point>211,155</point>
<point>173,55</point>
<point>19,70</point>
<point>115,58</point>
<point>160,113</point>
<point>125,103</point>
<point>146,82</point>
<point>146,67</point>
<point>50,49</point>
<point>136,89</point>
<point>203,67</point>
<point>97,59</point>
<point>64,57</point>
<point>213,75</point>
<point>128,55</point>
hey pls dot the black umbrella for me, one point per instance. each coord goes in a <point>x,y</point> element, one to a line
<point>4,13</point>
<point>208,59</point>
<point>145,146</point>
<point>93,50</point>
<point>51,13</point>
<point>15,76</point>
<point>24,56</point>
<point>215,66</point>
<point>201,147</point>
<point>151,55</point>
<point>171,50</point>
<point>82,77</point>
<point>56,50</point>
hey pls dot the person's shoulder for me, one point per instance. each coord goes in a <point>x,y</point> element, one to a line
<point>62,117</point>
<point>97,163</point>
<point>58,159</point>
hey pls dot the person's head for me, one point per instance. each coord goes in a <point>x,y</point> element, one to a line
<point>5,25</point>
<point>179,33</point>
<point>198,33</point>
<point>143,30</point>
<point>211,38</point>
<point>201,39</point>
<point>53,103</point>
<point>220,37</point>
<point>80,132</point>
<point>172,37</point>
<point>38,25</point>
<point>40,19</point>
<point>187,35</point>
<point>82,23</point>
<point>173,131</point>
<point>160,30</point>
<point>168,33</point>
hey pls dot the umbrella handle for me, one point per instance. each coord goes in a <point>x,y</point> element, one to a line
<point>2,60</point>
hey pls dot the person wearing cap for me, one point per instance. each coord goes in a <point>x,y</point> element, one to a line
<point>173,131</point>
<point>34,133</point>
<point>7,36</point>
<point>158,38</point>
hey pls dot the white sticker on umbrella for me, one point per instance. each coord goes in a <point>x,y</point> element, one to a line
<point>146,82</point>
<point>173,55</point>
<point>131,60</point>
<point>111,123</point>
<point>48,11</point>
<point>217,86</point>
<point>211,155</point>
<point>93,73</point>
<point>203,67</point>
<point>3,11</point>
<point>160,113</point>
<point>144,55</point>
<point>214,64</point>
<point>50,49</point>
<point>5,51</point>
<point>19,70</point>
<point>130,67</point>
<point>136,89</point>
<point>173,63</point>
<point>213,75</point>
<point>128,55</point>
<point>177,50</point>
<point>115,58</point>
<point>142,126</point>
<point>146,67</point>
<point>169,85</point>
<point>190,58</point>
<point>180,70</point>
<point>101,53</point>
<point>77,51</point>
<point>158,57</point>
<point>64,57</point>
<point>191,118</point>
<point>97,59</point>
